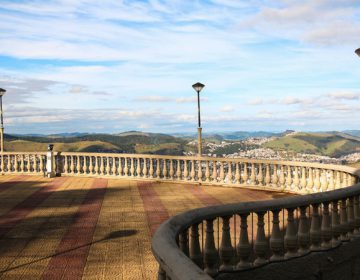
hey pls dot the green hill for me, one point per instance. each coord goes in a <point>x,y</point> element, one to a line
<point>326,144</point>
<point>149,143</point>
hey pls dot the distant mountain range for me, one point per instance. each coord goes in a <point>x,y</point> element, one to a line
<point>330,143</point>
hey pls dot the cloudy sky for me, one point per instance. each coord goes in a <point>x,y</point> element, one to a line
<point>117,65</point>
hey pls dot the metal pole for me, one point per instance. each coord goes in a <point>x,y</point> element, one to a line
<point>2,126</point>
<point>199,127</point>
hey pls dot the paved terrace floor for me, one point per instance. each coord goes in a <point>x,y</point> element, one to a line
<point>89,228</point>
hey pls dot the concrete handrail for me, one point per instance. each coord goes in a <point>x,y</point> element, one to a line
<point>176,262</point>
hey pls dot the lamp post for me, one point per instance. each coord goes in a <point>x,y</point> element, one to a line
<point>2,92</point>
<point>198,87</point>
<point>357,51</point>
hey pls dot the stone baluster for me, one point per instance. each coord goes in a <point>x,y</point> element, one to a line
<point>356,216</point>
<point>243,248</point>
<point>178,170</point>
<point>2,163</point>
<point>276,239</point>
<point>200,173</point>
<point>331,181</point>
<point>78,168</point>
<point>210,252</point>
<point>164,169</point>
<point>282,177</point>
<point>260,242</point>
<point>102,165</point>
<point>107,165</point>
<point>344,182</point>
<point>132,167</point>
<point>222,173</point>
<point>157,172</point>
<point>214,172</point>
<point>303,232</point>
<point>91,165</point>
<point>195,252</point>
<point>275,178</point>
<point>252,174</point>
<point>311,183</point>
<point>349,180</point>
<point>338,181</point>
<point>229,174</point>
<point>344,221</point>
<point>288,178</point>
<point>296,179</point>
<point>97,167</point>
<point>267,175</point>
<point>303,180</point>
<point>335,224</point>
<point>72,165</point>
<point>326,227</point>
<point>138,167</point>
<point>186,170</point>
<point>245,176</point>
<point>66,165</point>
<point>9,163</point>
<point>260,176</point>
<point>291,239</point>
<point>226,248</point>
<point>171,172</point>
<point>192,173</point>
<point>324,182</point>
<point>237,173</point>
<point>184,242</point>
<point>315,229</point>
<point>35,167</point>
<point>114,166</point>
<point>207,171</point>
<point>28,165</point>
<point>126,168</point>
<point>16,163</point>
<point>151,168</point>
<point>351,219</point>
<point>22,163</point>
<point>145,169</point>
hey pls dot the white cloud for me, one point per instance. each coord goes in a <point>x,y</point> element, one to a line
<point>227,108</point>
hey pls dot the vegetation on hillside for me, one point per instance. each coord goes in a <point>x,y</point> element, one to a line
<point>316,143</point>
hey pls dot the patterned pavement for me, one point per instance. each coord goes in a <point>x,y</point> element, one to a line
<point>90,228</point>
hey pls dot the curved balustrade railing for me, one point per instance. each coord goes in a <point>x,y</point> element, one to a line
<point>279,175</point>
<point>203,243</point>
<point>27,163</point>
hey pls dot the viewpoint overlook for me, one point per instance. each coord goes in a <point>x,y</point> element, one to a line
<point>179,140</point>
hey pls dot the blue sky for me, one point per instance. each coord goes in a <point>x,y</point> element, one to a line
<point>112,65</point>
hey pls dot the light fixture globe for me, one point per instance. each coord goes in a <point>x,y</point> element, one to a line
<point>357,51</point>
<point>2,91</point>
<point>198,87</point>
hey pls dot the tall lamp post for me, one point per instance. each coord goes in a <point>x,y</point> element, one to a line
<point>2,92</point>
<point>198,87</point>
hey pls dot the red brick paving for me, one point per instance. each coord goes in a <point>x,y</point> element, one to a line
<point>13,181</point>
<point>21,210</point>
<point>204,197</point>
<point>70,257</point>
<point>155,210</point>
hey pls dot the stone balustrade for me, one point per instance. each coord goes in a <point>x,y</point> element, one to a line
<point>26,163</point>
<point>223,240</point>
<point>284,176</point>
<point>205,243</point>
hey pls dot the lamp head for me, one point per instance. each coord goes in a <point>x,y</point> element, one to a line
<point>2,91</point>
<point>198,87</point>
<point>357,51</point>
